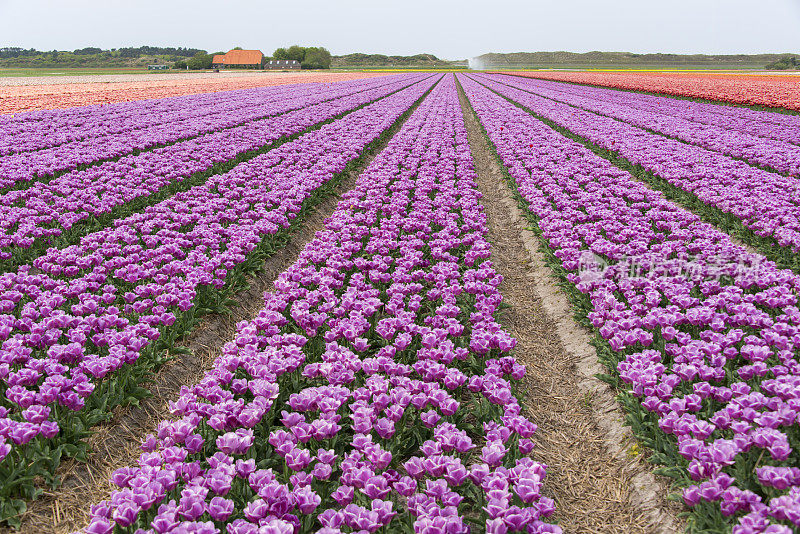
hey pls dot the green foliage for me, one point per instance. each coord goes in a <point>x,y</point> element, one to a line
<point>87,51</point>
<point>91,57</point>
<point>157,50</point>
<point>180,64</point>
<point>784,63</point>
<point>280,53</point>
<point>358,57</point>
<point>310,57</point>
<point>200,61</point>
<point>296,52</point>
<point>15,52</point>
<point>360,60</point>
<point>316,58</point>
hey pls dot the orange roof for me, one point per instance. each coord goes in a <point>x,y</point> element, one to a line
<point>240,57</point>
<point>219,58</point>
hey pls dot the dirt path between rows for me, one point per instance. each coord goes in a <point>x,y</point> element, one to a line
<point>116,444</point>
<point>598,485</point>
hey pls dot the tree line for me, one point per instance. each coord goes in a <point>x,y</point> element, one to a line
<point>309,57</point>
<point>784,63</point>
<point>128,52</point>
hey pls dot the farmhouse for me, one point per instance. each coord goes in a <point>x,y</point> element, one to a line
<point>281,64</point>
<point>238,59</point>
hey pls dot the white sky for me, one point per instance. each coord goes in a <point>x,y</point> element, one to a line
<point>447,28</point>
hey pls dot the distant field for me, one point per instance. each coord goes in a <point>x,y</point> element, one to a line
<point>27,93</point>
<point>623,67</point>
<point>72,71</point>
<point>408,69</point>
<point>624,61</point>
<point>763,90</point>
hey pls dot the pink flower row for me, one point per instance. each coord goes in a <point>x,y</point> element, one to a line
<point>764,90</point>
<point>106,90</point>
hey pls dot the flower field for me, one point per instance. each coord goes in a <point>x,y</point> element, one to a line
<point>37,211</point>
<point>732,186</point>
<point>21,98</point>
<point>380,386</point>
<point>766,90</point>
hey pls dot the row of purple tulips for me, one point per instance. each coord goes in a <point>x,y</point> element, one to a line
<point>114,136</point>
<point>765,203</point>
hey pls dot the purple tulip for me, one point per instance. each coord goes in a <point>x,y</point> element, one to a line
<point>220,508</point>
<point>307,500</point>
<point>343,495</point>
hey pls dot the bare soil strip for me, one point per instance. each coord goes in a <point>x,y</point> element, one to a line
<point>596,474</point>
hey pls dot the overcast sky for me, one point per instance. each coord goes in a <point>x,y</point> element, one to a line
<point>451,29</point>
